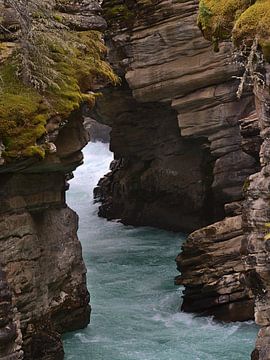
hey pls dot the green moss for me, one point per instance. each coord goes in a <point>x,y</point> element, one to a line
<point>119,11</point>
<point>24,111</point>
<point>58,17</point>
<point>243,20</point>
<point>217,17</point>
<point>124,13</point>
<point>35,150</point>
<point>21,122</point>
<point>254,22</point>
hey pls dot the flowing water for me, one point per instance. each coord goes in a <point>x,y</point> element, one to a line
<point>135,303</point>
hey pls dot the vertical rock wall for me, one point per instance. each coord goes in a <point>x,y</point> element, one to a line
<point>181,160</point>
<point>158,49</point>
<point>40,251</point>
<point>256,216</point>
<point>10,333</point>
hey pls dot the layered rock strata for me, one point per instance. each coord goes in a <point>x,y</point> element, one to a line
<point>154,169</point>
<point>184,146</point>
<point>40,250</point>
<point>41,137</point>
<point>213,273</point>
<point>256,216</point>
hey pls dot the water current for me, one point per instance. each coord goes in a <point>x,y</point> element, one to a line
<point>135,304</point>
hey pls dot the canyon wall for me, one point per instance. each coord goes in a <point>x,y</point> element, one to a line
<point>43,289</point>
<point>176,82</point>
<point>184,146</point>
<point>256,217</point>
<point>190,155</point>
<point>40,251</point>
<point>10,334</point>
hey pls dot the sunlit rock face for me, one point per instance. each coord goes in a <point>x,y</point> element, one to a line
<point>184,146</point>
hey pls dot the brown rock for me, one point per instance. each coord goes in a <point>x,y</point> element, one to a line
<point>212,272</point>
<point>184,146</point>
<point>40,250</point>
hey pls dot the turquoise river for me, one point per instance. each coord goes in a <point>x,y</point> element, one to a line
<point>135,305</point>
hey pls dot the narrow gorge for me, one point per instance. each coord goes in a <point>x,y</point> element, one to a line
<point>184,87</point>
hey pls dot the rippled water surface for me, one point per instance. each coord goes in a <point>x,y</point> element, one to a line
<point>135,303</point>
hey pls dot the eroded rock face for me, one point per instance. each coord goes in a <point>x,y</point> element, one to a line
<point>181,158</point>
<point>40,250</point>
<point>255,216</point>
<point>166,60</point>
<point>10,333</point>
<point>213,273</point>
<point>154,168</point>
<point>97,131</point>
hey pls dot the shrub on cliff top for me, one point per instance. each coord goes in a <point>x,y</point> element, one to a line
<point>50,73</point>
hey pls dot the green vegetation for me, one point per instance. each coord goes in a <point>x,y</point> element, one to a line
<point>217,17</point>
<point>119,10</point>
<point>267,235</point>
<point>243,20</point>
<point>126,12</point>
<point>47,75</point>
<point>22,119</point>
<point>254,22</point>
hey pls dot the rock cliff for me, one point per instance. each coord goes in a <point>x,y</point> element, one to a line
<point>10,334</point>
<point>181,157</point>
<point>191,145</point>
<point>256,217</point>
<point>190,155</point>
<point>40,251</point>
<point>43,278</point>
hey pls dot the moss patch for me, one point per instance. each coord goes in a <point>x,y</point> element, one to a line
<point>24,111</point>
<point>22,120</point>
<point>243,20</point>
<point>217,17</point>
<point>125,13</point>
<point>254,22</point>
<point>120,12</point>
